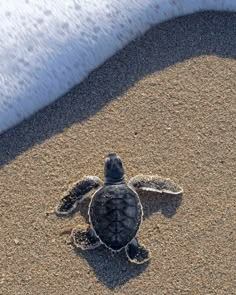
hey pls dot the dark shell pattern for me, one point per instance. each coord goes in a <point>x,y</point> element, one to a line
<point>115,214</point>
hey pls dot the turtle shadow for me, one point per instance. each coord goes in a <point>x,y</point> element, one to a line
<point>114,269</point>
<point>111,269</point>
<point>164,203</point>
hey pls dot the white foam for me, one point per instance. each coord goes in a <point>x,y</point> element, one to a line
<point>47,47</point>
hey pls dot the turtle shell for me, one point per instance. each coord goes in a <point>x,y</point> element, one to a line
<point>115,213</point>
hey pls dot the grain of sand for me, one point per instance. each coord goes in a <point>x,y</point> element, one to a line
<point>167,105</point>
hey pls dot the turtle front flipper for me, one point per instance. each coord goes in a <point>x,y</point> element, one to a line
<point>76,194</point>
<point>137,253</point>
<point>155,184</point>
<point>85,239</point>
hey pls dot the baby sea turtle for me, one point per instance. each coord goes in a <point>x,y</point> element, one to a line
<point>115,211</point>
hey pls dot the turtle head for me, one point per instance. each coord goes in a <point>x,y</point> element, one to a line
<point>113,169</point>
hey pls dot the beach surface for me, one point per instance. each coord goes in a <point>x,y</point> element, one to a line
<point>167,105</point>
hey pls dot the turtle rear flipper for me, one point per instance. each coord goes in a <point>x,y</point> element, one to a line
<point>137,253</point>
<point>76,194</point>
<point>85,239</point>
<point>155,183</point>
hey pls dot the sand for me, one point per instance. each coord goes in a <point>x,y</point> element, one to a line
<point>167,105</point>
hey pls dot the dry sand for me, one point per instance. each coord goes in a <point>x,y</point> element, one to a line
<point>167,105</point>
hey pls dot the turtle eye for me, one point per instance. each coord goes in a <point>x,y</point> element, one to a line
<point>108,164</point>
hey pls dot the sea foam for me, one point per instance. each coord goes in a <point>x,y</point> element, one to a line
<point>47,47</point>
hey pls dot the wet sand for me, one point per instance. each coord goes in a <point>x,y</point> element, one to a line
<point>167,105</point>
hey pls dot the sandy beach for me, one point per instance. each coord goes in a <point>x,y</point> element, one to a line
<point>167,105</point>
